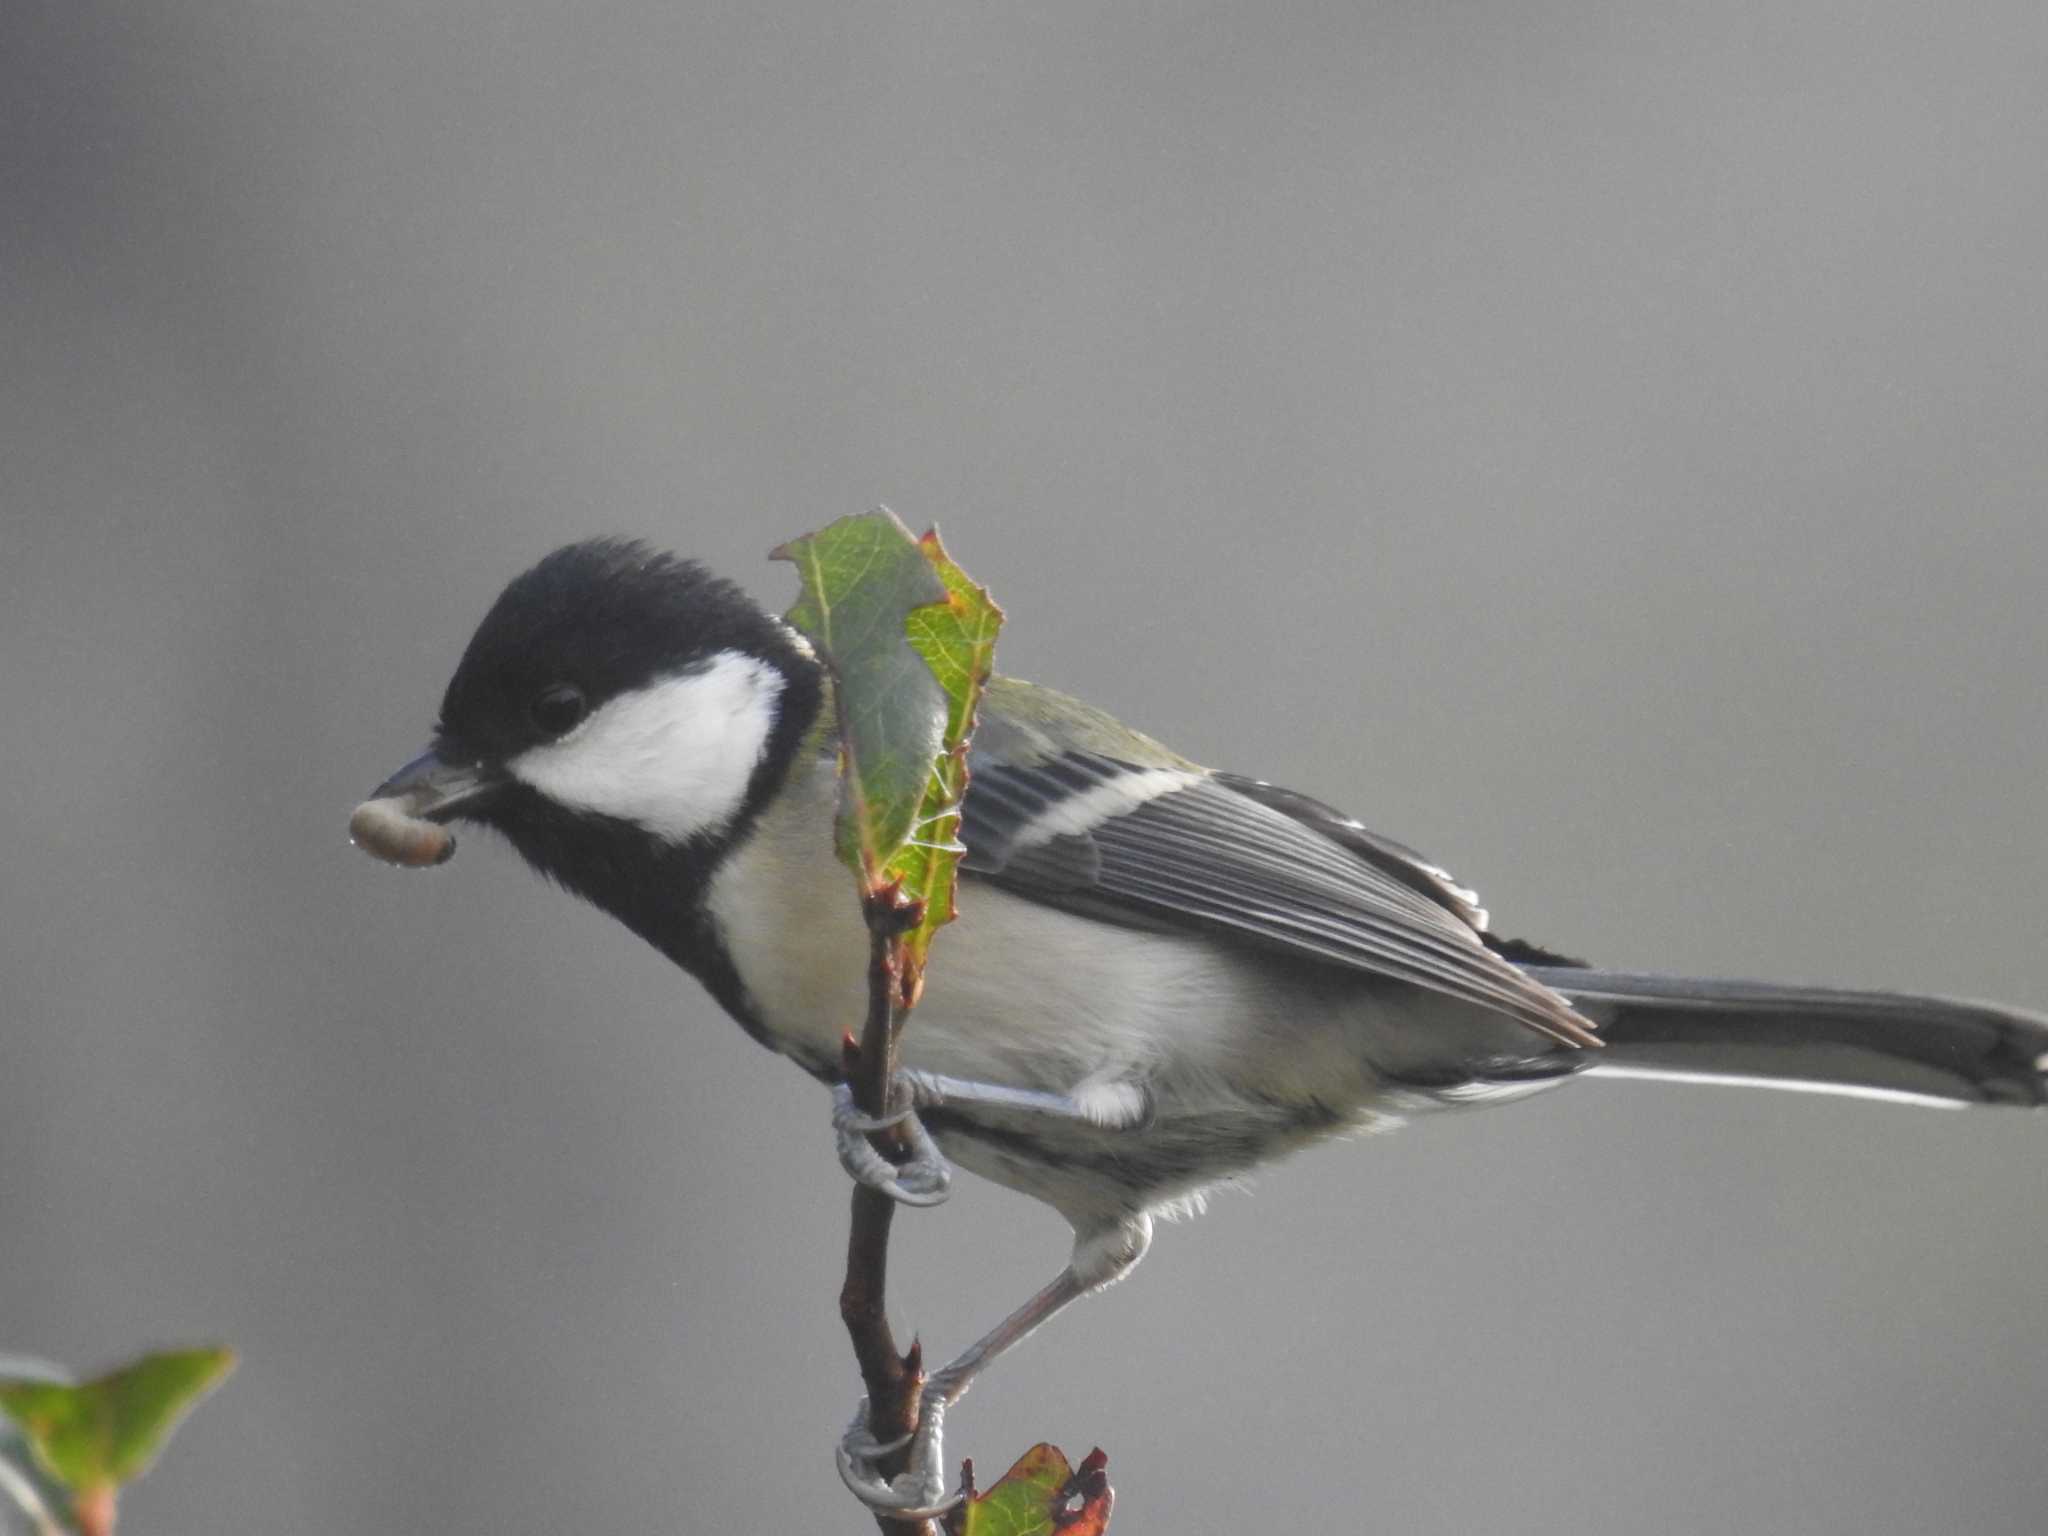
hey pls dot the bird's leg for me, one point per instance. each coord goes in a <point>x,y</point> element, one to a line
<point>1113,1104</point>
<point>919,1493</point>
<point>925,1178</point>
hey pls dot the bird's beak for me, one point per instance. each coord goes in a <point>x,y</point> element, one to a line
<point>401,822</point>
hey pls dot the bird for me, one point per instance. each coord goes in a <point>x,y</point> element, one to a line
<point>1161,977</point>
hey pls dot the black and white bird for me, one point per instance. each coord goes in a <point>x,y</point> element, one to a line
<point>1161,975</point>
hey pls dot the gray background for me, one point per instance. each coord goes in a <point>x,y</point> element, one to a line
<point>1601,444</point>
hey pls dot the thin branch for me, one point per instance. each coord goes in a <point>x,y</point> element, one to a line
<point>94,1512</point>
<point>892,1379</point>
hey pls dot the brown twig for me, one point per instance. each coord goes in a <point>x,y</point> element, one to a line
<point>93,1512</point>
<point>892,1379</point>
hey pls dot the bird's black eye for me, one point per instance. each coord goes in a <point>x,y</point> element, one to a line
<point>559,710</point>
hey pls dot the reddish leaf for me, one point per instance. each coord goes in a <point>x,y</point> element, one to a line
<point>1042,1496</point>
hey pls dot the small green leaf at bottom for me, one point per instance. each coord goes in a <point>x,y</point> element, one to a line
<point>1042,1496</point>
<point>104,1433</point>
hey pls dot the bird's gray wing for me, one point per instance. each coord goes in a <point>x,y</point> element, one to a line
<point>1170,845</point>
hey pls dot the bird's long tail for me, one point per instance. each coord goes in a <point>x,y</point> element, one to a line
<point>1878,1045</point>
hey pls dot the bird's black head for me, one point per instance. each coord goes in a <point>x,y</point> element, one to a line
<point>620,715</point>
<point>591,624</point>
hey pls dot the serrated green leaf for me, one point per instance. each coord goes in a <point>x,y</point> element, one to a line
<point>862,576</point>
<point>105,1432</point>
<point>1042,1496</point>
<point>957,639</point>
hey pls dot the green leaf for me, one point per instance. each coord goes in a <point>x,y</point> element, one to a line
<point>862,576</point>
<point>1042,1496</point>
<point>106,1432</point>
<point>957,639</point>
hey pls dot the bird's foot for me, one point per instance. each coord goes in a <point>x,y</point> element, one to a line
<point>918,1492</point>
<point>925,1178</point>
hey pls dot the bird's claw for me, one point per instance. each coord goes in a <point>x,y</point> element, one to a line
<point>918,1492</point>
<point>926,1178</point>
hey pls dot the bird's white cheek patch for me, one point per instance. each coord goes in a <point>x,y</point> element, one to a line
<point>675,757</point>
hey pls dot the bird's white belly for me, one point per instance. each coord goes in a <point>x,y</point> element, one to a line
<point>1028,995</point>
<point>1237,1055</point>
